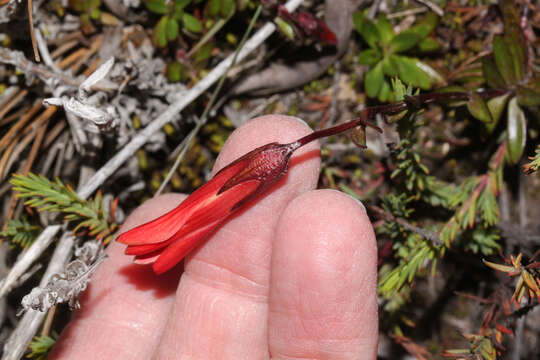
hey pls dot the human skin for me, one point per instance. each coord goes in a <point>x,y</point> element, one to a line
<point>292,276</point>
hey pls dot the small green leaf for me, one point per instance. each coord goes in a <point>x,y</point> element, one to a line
<point>534,84</point>
<point>368,57</point>
<point>358,136</point>
<point>411,74</point>
<point>94,14</point>
<point>428,44</point>
<point>204,53</point>
<point>385,94</point>
<point>499,267</point>
<point>527,97</point>
<point>516,131</point>
<point>374,80</point>
<point>227,8</point>
<point>174,71</point>
<point>426,25</point>
<point>478,108</point>
<point>367,29</point>
<point>191,23</point>
<point>389,66</point>
<point>404,41</point>
<point>496,107</point>
<point>503,59</point>
<point>492,75</point>
<point>213,7</point>
<point>159,37</point>
<point>285,28</point>
<point>385,28</point>
<point>172,29</point>
<point>157,6</point>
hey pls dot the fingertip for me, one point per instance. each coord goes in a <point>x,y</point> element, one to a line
<point>323,281</point>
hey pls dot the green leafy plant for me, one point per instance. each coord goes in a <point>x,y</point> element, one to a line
<point>45,195</point>
<point>168,27</point>
<point>21,231</point>
<point>386,54</point>
<point>175,18</point>
<point>534,164</point>
<point>40,346</point>
<point>508,68</point>
<point>90,11</point>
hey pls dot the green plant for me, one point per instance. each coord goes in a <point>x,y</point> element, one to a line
<point>386,54</point>
<point>40,346</point>
<point>90,11</point>
<point>45,195</point>
<point>21,231</point>
<point>175,18</point>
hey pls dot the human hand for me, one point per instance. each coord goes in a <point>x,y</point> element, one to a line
<point>291,276</point>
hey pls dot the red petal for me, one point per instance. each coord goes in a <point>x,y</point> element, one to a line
<point>146,248</point>
<point>165,226</point>
<point>175,252</point>
<point>146,259</point>
<point>325,34</point>
<point>219,207</point>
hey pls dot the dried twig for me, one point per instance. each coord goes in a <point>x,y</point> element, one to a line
<point>40,244</point>
<point>18,342</point>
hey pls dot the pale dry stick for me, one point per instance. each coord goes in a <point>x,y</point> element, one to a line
<point>44,50</point>
<point>64,48</point>
<point>72,58</point>
<point>14,129</point>
<point>7,154</point>
<point>53,133</point>
<point>6,96</point>
<point>432,6</point>
<point>30,131</point>
<point>37,142</point>
<point>14,150</point>
<point>28,257</point>
<point>18,342</point>
<point>76,36</point>
<point>32,33</point>
<point>94,47</point>
<point>14,116</point>
<point>48,321</point>
<point>409,12</point>
<point>17,59</point>
<point>13,102</point>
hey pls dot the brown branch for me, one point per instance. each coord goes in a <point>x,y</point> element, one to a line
<point>32,34</point>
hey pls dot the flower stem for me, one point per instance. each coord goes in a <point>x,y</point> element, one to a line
<point>410,103</point>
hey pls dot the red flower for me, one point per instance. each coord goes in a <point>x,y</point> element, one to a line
<point>166,240</point>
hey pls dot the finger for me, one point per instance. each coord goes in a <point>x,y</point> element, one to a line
<point>221,306</point>
<point>323,283</point>
<point>125,308</point>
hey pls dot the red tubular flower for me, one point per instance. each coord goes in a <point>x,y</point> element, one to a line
<point>166,240</point>
<point>169,238</point>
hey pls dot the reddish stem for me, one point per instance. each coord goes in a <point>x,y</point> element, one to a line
<point>410,102</point>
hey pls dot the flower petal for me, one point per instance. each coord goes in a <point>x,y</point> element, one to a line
<point>175,252</point>
<point>219,207</point>
<point>165,226</point>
